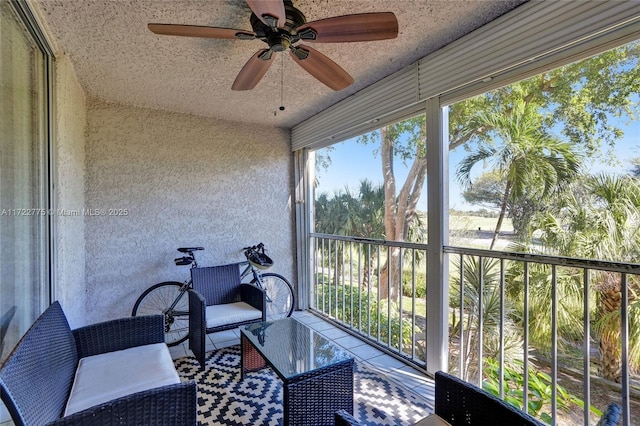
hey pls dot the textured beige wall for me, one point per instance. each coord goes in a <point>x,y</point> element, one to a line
<point>69,178</point>
<point>183,180</point>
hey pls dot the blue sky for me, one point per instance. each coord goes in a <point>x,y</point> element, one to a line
<point>351,162</point>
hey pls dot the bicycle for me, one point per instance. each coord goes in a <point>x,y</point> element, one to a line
<point>169,299</point>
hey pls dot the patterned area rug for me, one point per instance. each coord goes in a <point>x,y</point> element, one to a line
<point>223,399</point>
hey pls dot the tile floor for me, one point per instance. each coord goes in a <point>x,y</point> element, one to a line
<point>401,373</point>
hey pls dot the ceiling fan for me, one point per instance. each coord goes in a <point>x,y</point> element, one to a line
<point>282,26</point>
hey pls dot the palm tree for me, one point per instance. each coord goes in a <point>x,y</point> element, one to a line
<point>358,215</point>
<point>523,153</point>
<point>331,213</point>
<point>601,220</point>
<point>362,215</point>
<point>569,293</point>
<point>370,221</point>
<point>487,272</point>
<point>345,213</point>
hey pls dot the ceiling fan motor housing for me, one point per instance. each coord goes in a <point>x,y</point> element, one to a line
<point>280,39</point>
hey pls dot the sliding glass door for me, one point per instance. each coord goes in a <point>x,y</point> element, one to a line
<point>24,187</point>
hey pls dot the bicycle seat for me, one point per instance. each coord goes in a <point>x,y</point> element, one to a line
<point>188,249</point>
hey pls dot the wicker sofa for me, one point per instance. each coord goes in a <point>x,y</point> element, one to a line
<point>115,372</point>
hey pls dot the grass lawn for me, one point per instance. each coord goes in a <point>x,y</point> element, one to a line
<point>421,306</point>
<point>473,223</point>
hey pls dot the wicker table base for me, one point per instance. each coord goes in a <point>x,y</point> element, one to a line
<point>311,394</point>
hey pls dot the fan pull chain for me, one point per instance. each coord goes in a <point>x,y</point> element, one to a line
<point>281,108</point>
<point>282,84</point>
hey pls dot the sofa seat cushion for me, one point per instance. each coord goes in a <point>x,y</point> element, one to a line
<point>432,420</point>
<point>101,378</point>
<point>230,313</point>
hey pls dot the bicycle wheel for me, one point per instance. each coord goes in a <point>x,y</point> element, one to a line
<point>158,299</point>
<point>280,298</point>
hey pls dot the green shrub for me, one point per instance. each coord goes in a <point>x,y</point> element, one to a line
<point>539,395</point>
<point>420,283</point>
<point>354,308</point>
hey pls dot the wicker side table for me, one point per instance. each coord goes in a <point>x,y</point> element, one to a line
<point>317,376</point>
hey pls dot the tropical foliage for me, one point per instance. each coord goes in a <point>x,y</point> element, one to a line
<point>599,218</point>
<point>539,395</point>
<point>481,303</point>
<point>530,141</point>
<point>529,160</point>
<point>367,314</point>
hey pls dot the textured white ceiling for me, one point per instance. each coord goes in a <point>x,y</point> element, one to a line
<point>118,59</point>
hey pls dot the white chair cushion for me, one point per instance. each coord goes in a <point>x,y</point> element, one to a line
<point>230,313</point>
<point>433,420</point>
<point>101,378</point>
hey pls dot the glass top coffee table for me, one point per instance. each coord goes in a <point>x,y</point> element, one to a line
<point>316,374</point>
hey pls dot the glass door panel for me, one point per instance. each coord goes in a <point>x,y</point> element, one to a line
<point>24,278</point>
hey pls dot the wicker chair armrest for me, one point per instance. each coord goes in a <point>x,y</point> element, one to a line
<point>197,311</point>
<point>119,334</point>
<point>254,296</point>
<point>166,405</point>
<point>345,419</point>
<point>197,326</point>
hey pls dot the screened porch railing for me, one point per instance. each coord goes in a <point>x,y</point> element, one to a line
<point>500,303</point>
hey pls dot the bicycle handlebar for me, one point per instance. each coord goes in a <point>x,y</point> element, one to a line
<point>254,248</point>
<point>189,249</point>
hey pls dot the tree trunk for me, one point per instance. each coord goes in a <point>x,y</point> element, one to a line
<point>366,273</point>
<point>610,350</point>
<point>398,209</point>
<point>503,210</point>
<point>366,276</point>
<point>389,284</point>
<point>469,348</point>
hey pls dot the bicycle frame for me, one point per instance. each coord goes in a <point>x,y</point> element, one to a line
<point>257,277</point>
<point>186,285</point>
<point>251,270</point>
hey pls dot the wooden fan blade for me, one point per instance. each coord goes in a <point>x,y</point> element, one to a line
<point>348,28</point>
<point>200,31</point>
<point>321,67</point>
<point>253,71</point>
<point>270,8</point>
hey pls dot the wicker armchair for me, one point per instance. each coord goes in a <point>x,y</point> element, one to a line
<point>461,403</point>
<point>219,301</point>
<point>457,400</point>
